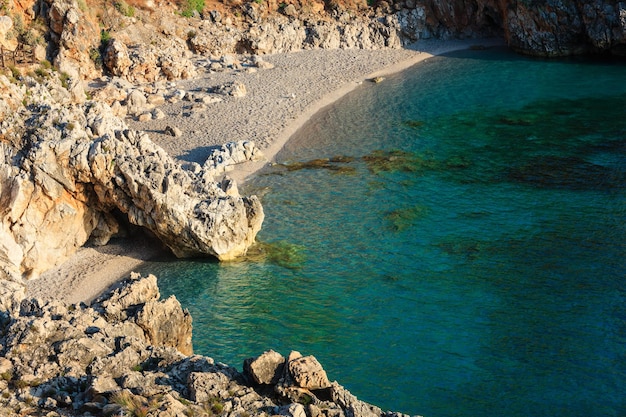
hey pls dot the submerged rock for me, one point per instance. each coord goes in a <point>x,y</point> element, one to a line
<point>284,254</point>
<point>401,219</point>
<point>399,161</point>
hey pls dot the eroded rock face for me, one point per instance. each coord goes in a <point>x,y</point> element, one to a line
<point>163,49</point>
<point>541,27</point>
<point>439,19</point>
<point>74,37</point>
<point>556,28</point>
<point>69,166</point>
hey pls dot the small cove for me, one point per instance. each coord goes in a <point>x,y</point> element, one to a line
<point>461,251</point>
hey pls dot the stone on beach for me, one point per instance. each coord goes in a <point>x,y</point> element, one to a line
<point>173,131</point>
<point>234,89</point>
<point>136,102</point>
<point>225,157</point>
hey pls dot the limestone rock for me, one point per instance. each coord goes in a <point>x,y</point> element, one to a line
<point>6,24</point>
<point>234,89</point>
<point>74,36</point>
<point>211,100</point>
<point>11,295</point>
<point>61,180</point>
<point>116,58</point>
<point>308,373</point>
<point>215,382</point>
<point>136,102</point>
<point>351,403</point>
<point>223,158</point>
<point>544,28</point>
<point>158,114</point>
<point>145,117</point>
<point>291,410</point>
<point>165,324</point>
<point>265,369</point>
<point>117,355</point>
<point>258,62</point>
<point>553,28</point>
<point>290,10</point>
<point>104,384</point>
<point>173,131</point>
<point>177,67</point>
<point>211,39</point>
<point>156,99</point>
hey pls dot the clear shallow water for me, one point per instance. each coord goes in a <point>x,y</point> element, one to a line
<point>467,261</point>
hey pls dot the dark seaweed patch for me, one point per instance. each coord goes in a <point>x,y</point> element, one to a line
<point>567,172</point>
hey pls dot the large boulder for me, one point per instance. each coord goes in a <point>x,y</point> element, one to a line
<point>266,368</point>
<point>308,373</point>
<point>116,58</point>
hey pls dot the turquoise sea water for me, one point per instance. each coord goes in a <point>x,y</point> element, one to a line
<point>461,253</point>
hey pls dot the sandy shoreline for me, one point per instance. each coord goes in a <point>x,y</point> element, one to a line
<point>279,101</point>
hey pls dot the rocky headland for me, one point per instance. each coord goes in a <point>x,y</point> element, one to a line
<point>129,354</point>
<point>127,119</point>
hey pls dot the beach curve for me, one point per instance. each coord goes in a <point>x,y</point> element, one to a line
<point>291,94</point>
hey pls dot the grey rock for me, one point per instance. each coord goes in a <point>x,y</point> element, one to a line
<point>308,373</point>
<point>145,117</point>
<point>158,114</point>
<point>173,131</point>
<point>234,89</point>
<point>136,102</point>
<point>290,10</point>
<point>265,369</point>
<point>223,158</point>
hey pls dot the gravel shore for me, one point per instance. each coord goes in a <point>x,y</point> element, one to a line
<point>278,102</point>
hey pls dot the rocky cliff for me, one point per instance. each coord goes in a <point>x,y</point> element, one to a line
<point>537,27</point>
<point>130,353</point>
<point>558,28</point>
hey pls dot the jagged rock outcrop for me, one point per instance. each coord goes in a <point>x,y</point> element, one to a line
<point>279,34</point>
<point>557,28</point>
<point>301,380</point>
<point>74,37</point>
<point>425,19</point>
<point>162,49</point>
<point>542,27</point>
<point>130,352</point>
<point>69,167</point>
